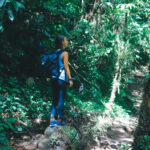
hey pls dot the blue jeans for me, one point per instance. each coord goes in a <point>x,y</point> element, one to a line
<point>59,93</point>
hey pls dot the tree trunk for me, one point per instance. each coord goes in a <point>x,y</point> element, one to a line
<point>142,133</point>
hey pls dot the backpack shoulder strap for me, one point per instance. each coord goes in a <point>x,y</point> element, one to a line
<point>59,51</point>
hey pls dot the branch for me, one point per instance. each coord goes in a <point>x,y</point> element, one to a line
<point>76,127</point>
<point>21,122</point>
<point>83,77</point>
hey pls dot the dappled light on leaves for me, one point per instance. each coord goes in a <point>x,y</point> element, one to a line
<point>109,59</point>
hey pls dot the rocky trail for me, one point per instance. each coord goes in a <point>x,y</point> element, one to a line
<point>118,137</point>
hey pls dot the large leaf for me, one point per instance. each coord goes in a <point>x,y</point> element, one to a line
<point>18,5</point>
<point>1,2</point>
<point>148,77</point>
<point>10,14</point>
<point>1,27</point>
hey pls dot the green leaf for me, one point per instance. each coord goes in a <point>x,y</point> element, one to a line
<point>10,14</point>
<point>14,107</point>
<point>1,27</point>
<point>1,2</point>
<point>1,103</point>
<point>130,6</point>
<point>15,90</point>
<point>1,128</point>
<point>129,81</point>
<point>19,128</point>
<point>18,5</point>
<point>148,77</point>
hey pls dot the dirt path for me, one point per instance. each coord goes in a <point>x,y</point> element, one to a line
<point>120,135</point>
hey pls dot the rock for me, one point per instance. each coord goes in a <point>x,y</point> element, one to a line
<point>49,130</point>
<point>44,144</point>
<point>114,146</point>
<point>37,138</point>
<point>57,138</point>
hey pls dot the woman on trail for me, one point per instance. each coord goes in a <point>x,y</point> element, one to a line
<point>59,84</point>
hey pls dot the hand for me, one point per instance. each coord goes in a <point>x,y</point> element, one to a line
<point>70,83</point>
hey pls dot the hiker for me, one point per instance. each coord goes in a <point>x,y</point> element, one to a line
<point>59,83</point>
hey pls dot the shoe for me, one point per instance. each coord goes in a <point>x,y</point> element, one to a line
<point>61,123</point>
<point>56,123</point>
<point>53,123</point>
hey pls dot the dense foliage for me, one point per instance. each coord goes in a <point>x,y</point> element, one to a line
<point>106,40</point>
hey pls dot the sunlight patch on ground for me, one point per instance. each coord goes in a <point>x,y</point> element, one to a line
<point>103,123</point>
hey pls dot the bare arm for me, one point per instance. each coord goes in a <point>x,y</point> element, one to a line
<point>65,60</point>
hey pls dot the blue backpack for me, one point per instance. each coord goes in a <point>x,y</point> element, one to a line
<point>50,63</point>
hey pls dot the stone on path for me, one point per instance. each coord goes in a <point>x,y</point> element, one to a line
<point>56,138</point>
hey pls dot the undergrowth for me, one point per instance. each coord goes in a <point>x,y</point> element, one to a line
<point>25,104</point>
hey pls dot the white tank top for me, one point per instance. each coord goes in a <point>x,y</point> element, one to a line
<point>62,70</point>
